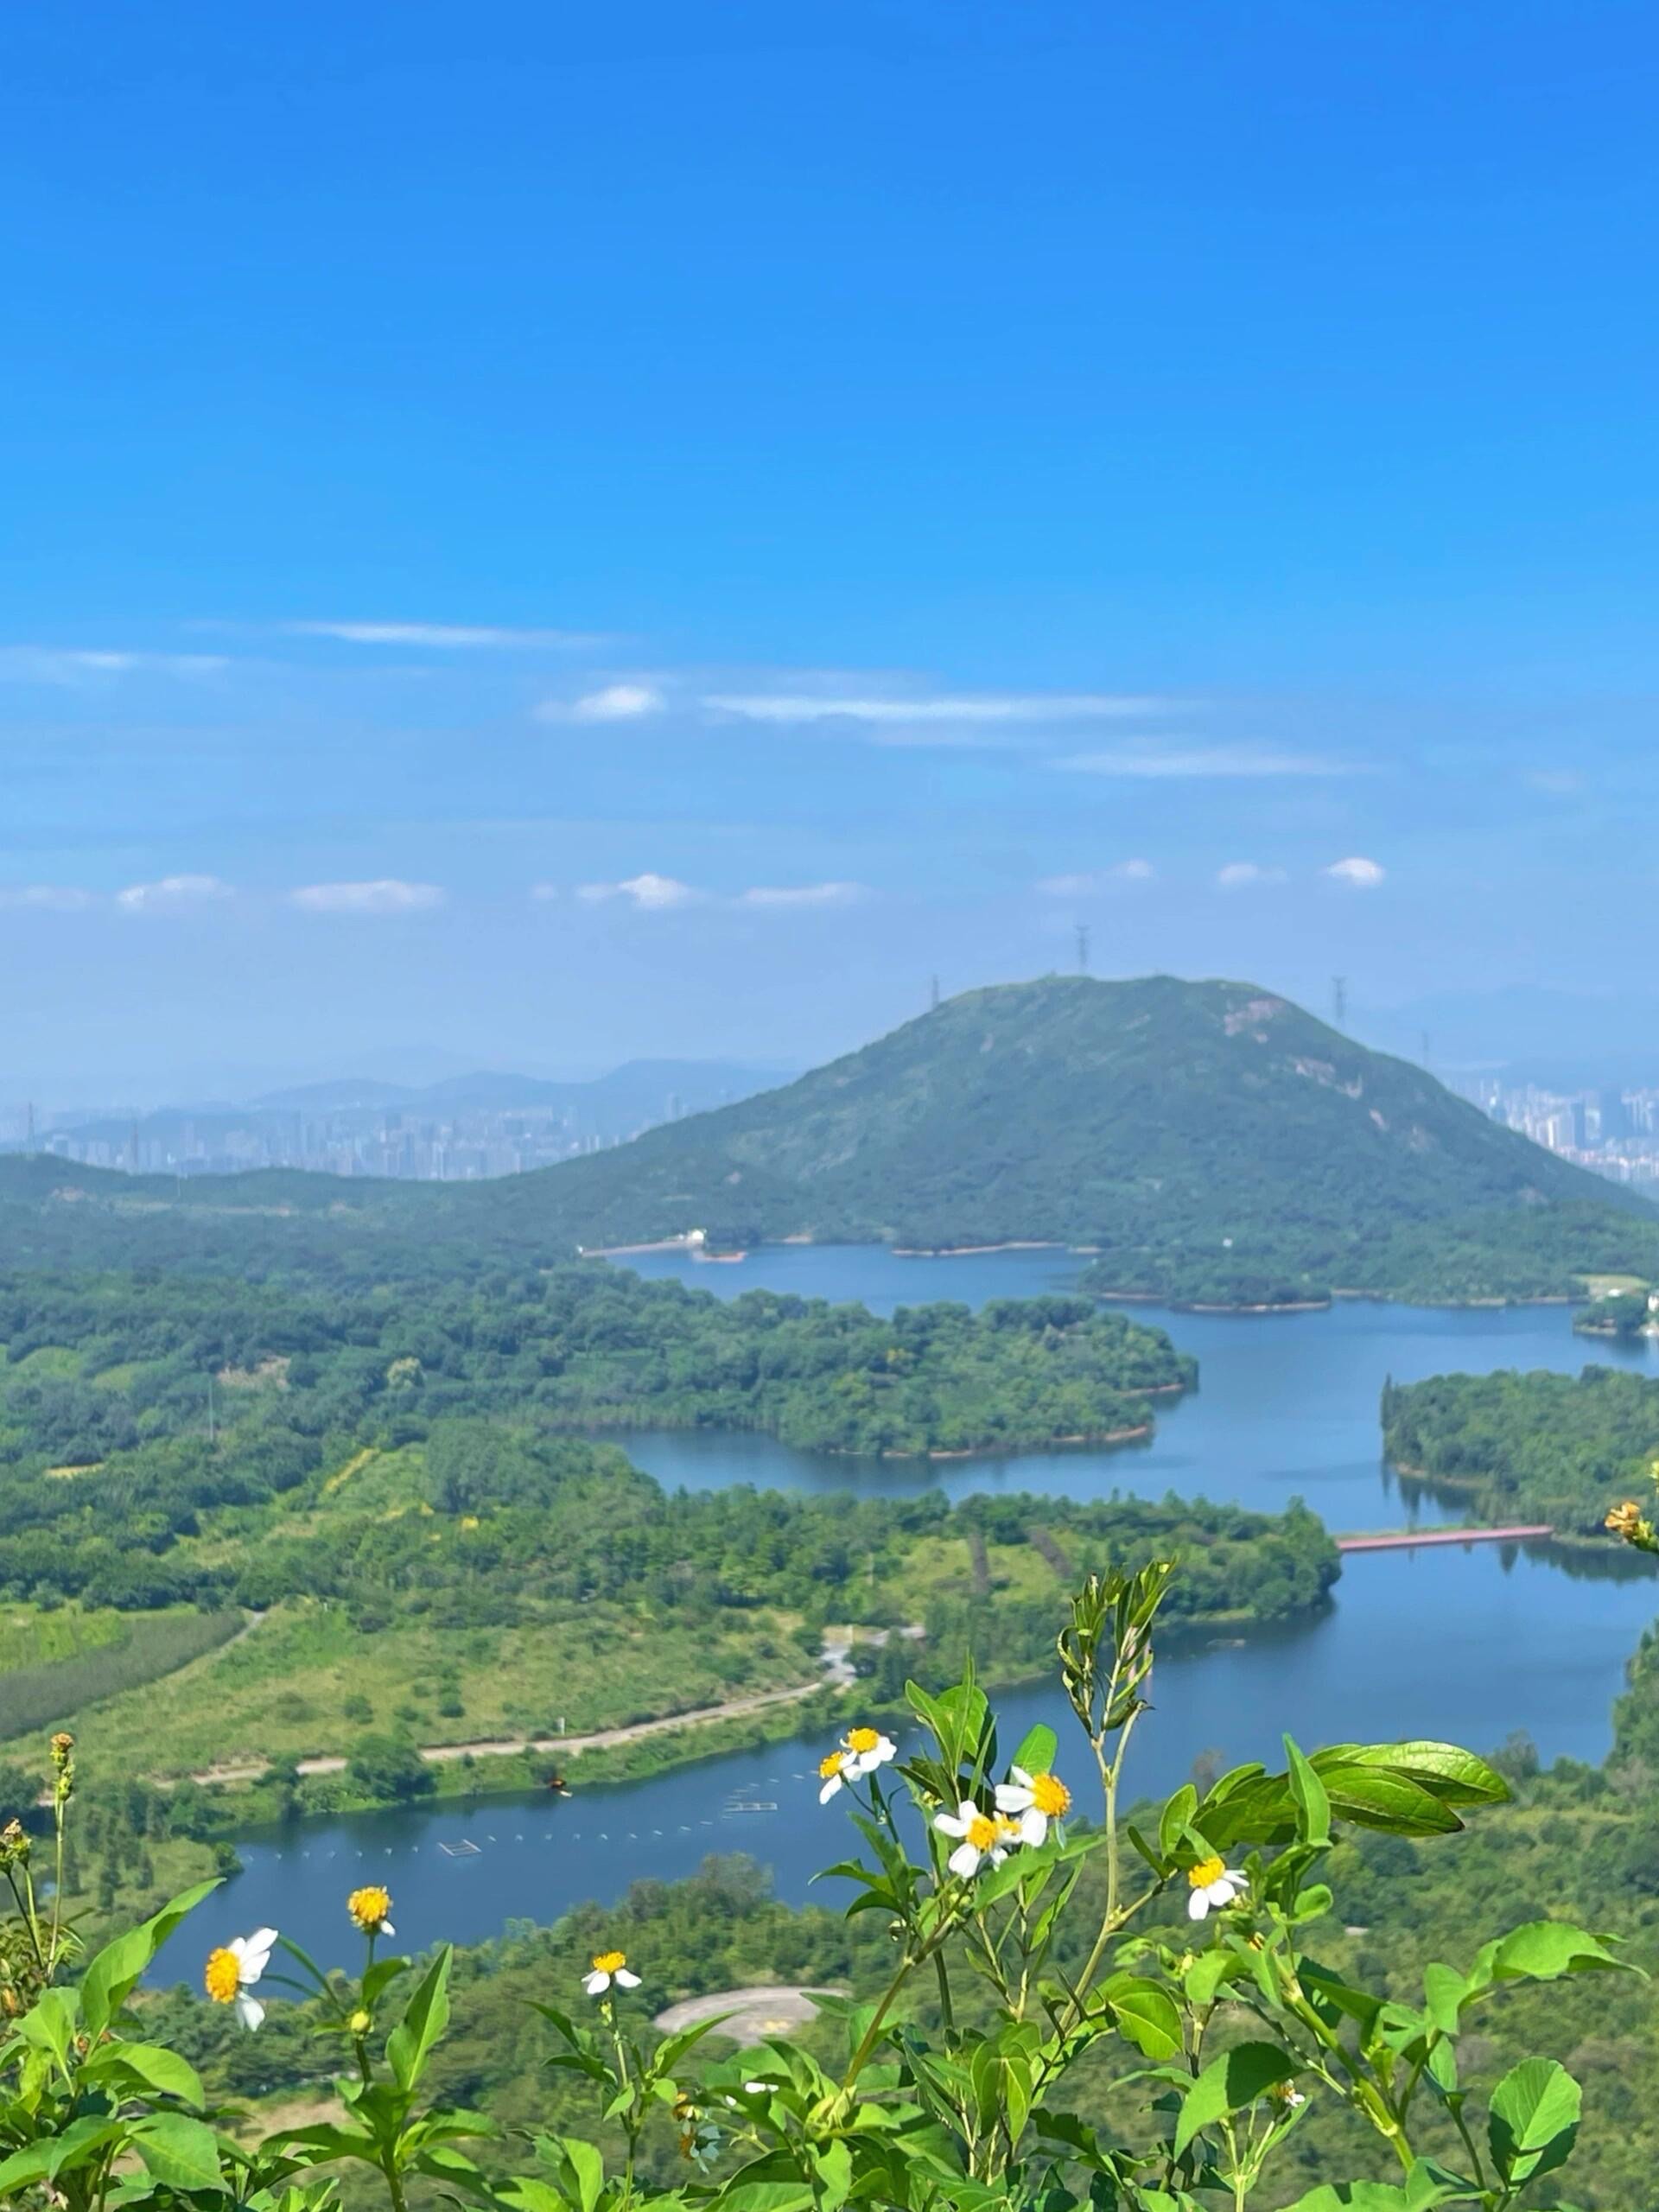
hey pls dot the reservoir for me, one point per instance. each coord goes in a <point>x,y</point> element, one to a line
<point>1470,1645</point>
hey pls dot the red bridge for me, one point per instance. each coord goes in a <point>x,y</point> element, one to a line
<point>1399,1539</point>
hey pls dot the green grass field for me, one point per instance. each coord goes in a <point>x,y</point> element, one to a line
<point>305,1683</point>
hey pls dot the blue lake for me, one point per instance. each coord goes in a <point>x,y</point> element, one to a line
<point>1465,1643</point>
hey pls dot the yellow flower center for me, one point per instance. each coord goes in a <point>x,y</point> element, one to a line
<point>861,1740</point>
<point>369,1907</point>
<point>1050,1795</point>
<point>1206,1870</point>
<point>222,1976</point>
<point>831,1763</point>
<point>608,1962</point>
<point>983,1831</point>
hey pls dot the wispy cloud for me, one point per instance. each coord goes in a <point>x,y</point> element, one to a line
<point>959,707</point>
<point>804,895</point>
<point>652,892</point>
<point>458,636</point>
<point>613,703</point>
<point>386,894</point>
<point>1247,875</point>
<point>1359,875</point>
<point>78,667</point>
<point>173,894</point>
<point>1092,881</point>
<point>1188,761</point>
<point>52,898</point>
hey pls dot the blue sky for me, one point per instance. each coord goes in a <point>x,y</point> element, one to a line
<point>542,534</point>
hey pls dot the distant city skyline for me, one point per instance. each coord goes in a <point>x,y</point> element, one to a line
<point>652,533</point>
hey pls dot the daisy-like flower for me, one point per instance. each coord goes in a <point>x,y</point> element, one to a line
<point>984,1836</point>
<point>1215,1884</point>
<point>369,1907</point>
<point>609,1966</point>
<point>867,1749</point>
<point>1286,2094</point>
<point>1034,1800</point>
<point>836,1770</point>
<point>233,1970</point>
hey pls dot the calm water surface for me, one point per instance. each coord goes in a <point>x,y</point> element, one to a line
<point>1463,1642</point>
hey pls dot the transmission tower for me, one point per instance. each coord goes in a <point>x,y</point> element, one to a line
<point>1083,948</point>
<point>1338,1001</point>
<point>934,999</point>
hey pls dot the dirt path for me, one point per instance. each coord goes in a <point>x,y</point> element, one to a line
<point>837,1674</point>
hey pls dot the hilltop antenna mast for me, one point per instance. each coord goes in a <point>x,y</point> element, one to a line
<point>1338,1001</point>
<point>1083,948</point>
<point>934,1001</point>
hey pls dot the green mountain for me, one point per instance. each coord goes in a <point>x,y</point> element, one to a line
<point>1210,1140</point>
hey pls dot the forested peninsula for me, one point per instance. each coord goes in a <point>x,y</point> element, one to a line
<point>1538,1447</point>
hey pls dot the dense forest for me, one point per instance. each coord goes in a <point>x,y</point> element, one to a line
<point>130,1407</point>
<point>1212,1142</point>
<point>1560,1448</point>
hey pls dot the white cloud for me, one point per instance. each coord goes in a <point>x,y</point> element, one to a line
<point>804,895</point>
<point>1244,875</point>
<point>1092,881</point>
<point>647,891</point>
<point>544,893</point>
<point>951,707</point>
<point>615,703</point>
<point>1358,873</point>
<point>450,635</point>
<point>54,897</point>
<point>385,895</point>
<point>1205,760</point>
<point>172,894</point>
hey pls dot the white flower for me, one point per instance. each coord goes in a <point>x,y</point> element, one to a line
<point>836,1770</point>
<point>867,1749</point>
<point>1214,1883</point>
<point>1036,1799</point>
<point>232,1971</point>
<point>609,1966</point>
<point>984,1836</point>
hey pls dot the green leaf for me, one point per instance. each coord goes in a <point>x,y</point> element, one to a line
<point>1452,1773</point>
<point>1228,2083</point>
<point>425,2018</point>
<point>1444,1991</point>
<point>1544,1950</point>
<point>1176,1817</point>
<point>1533,2120</point>
<point>147,2063</point>
<point>1147,2014</point>
<point>1313,1804</point>
<point>113,1974</point>
<point>1355,2197</point>
<point>1037,1750</point>
<point>588,2167</point>
<point>180,2151</point>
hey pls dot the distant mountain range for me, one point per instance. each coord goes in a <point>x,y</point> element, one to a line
<point>638,1088</point>
<point>608,1107</point>
<point>1211,1140</point>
